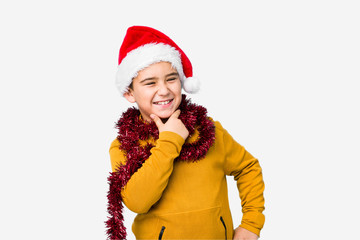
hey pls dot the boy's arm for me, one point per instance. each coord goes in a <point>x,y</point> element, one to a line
<point>145,186</point>
<point>248,175</point>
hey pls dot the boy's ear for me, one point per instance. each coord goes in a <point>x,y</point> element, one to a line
<point>129,96</point>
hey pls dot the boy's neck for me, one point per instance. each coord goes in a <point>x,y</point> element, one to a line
<point>164,120</point>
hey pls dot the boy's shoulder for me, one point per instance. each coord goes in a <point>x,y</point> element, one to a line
<point>115,144</point>
<point>218,126</point>
<point>221,132</point>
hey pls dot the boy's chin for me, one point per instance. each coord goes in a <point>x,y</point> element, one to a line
<point>164,118</point>
<point>165,114</point>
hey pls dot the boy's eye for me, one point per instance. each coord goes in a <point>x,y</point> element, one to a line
<point>150,83</point>
<point>171,79</point>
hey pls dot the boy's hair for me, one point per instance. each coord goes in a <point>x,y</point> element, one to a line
<point>131,86</point>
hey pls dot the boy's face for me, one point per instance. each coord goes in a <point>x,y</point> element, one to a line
<point>156,90</point>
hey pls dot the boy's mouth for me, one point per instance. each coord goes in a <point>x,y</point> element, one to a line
<point>163,102</point>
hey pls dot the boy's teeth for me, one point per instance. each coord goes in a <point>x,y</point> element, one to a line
<point>162,103</point>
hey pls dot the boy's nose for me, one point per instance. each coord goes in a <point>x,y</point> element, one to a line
<point>163,89</point>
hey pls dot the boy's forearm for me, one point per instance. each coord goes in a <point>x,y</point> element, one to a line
<point>146,186</point>
<point>251,187</point>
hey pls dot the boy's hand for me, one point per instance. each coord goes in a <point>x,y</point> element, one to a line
<point>243,234</point>
<point>173,124</point>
